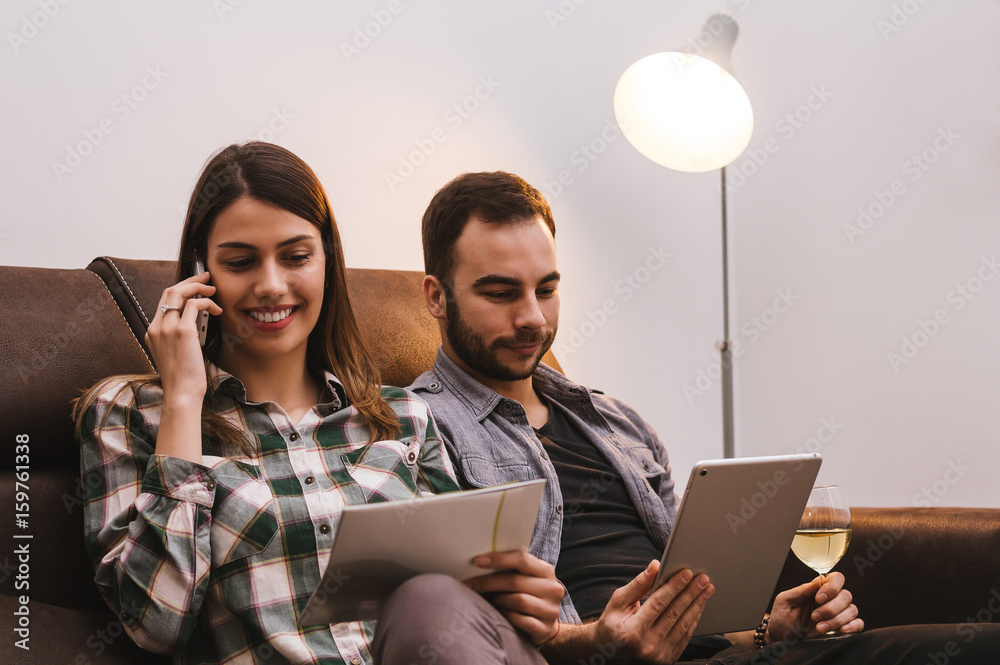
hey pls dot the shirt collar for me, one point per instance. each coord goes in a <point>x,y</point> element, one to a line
<point>222,382</point>
<point>483,400</point>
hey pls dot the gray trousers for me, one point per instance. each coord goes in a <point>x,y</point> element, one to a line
<point>437,620</point>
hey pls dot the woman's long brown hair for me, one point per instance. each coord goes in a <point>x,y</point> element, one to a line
<point>272,174</point>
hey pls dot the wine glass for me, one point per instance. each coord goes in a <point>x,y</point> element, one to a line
<point>824,531</point>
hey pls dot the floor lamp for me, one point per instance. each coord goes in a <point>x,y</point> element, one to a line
<point>685,110</point>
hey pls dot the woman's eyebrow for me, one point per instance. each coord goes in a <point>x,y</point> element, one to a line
<point>292,241</point>
<point>235,244</point>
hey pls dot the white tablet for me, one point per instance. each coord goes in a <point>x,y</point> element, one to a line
<point>735,524</point>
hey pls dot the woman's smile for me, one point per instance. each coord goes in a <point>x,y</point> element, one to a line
<point>271,318</point>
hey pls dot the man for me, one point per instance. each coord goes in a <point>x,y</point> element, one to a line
<point>493,284</point>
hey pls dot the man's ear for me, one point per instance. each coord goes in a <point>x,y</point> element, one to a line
<point>434,297</point>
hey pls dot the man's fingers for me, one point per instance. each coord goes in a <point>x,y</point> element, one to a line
<point>526,604</point>
<point>536,630</point>
<point>802,594</point>
<point>838,621</point>
<point>843,601</point>
<point>660,599</point>
<point>637,588</point>
<point>510,582</point>
<point>830,587</point>
<point>518,560</point>
<point>669,613</point>
<point>679,636</point>
<point>525,591</point>
<point>855,626</point>
<point>659,629</point>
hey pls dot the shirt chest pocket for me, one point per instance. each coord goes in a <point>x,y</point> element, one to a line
<point>482,471</point>
<point>645,462</point>
<point>385,470</point>
<point>244,515</point>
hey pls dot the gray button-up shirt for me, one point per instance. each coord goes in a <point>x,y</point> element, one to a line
<point>491,442</point>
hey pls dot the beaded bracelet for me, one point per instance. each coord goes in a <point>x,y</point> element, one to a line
<point>758,635</point>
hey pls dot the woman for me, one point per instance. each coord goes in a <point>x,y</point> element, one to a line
<point>216,484</point>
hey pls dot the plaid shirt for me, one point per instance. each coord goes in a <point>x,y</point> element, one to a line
<point>215,561</point>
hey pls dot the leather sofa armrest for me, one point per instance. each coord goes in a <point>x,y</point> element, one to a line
<point>136,286</point>
<point>919,565</point>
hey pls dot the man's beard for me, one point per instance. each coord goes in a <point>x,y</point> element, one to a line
<point>472,350</point>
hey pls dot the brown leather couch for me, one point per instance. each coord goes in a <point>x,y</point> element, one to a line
<point>62,330</point>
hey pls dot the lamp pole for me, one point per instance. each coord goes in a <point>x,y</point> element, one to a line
<point>686,111</point>
<point>725,346</point>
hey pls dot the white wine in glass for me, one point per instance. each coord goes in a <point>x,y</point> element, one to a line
<point>824,531</point>
<point>821,549</point>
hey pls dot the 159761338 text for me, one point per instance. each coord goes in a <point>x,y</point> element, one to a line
<point>22,539</point>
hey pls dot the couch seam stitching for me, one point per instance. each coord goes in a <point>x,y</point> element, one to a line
<point>124,320</point>
<point>135,301</point>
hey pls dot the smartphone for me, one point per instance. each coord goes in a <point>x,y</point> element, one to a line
<point>199,267</point>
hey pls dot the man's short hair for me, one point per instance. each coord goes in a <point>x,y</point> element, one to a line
<point>497,197</point>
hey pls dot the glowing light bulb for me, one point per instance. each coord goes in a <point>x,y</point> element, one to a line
<point>685,111</point>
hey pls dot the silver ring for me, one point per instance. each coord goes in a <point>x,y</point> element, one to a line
<point>167,308</point>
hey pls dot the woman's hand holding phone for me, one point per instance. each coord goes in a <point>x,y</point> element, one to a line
<point>172,339</point>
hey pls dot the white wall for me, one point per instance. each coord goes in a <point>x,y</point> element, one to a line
<point>879,95</point>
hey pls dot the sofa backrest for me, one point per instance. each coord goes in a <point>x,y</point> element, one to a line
<point>63,330</point>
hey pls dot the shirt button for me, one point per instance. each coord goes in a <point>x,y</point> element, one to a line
<point>355,661</point>
<point>210,485</point>
<point>559,509</point>
<point>430,386</point>
<point>411,457</point>
<point>507,407</point>
<point>310,480</point>
<point>645,466</point>
<point>294,436</point>
<point>324,528</point>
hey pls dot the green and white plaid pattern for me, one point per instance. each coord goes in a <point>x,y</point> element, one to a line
<point>214,562</point>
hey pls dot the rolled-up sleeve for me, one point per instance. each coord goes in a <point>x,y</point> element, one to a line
<point>147,520</point>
